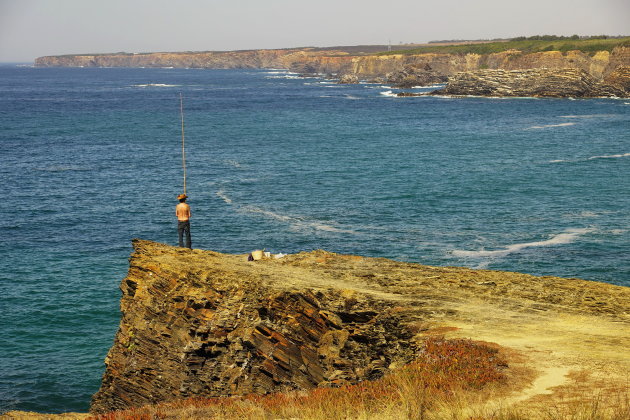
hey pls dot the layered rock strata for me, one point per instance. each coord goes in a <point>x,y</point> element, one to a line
<point>365,66</point>
<point>193,325</point>
<point>560,83</point>
<point>200,323</point>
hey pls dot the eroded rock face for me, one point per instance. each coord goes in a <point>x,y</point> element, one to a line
<point>560,83</point>
<point>191,326</point>
<point>412,76</point>
<point>314,61</point>
<point>348,79</point>
<point>199,323</point>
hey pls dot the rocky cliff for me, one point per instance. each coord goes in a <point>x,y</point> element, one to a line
<point>559,83</point>
<point>364,65</point>
<point>572,73</point>
<point>203,323</point>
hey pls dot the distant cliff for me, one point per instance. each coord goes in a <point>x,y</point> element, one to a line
<point>200,323</point>
<point>400,70</point>
<point>311,60</point>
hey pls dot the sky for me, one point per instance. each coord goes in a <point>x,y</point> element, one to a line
<point>34,28</point>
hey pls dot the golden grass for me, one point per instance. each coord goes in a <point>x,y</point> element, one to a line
<point>450,380</point>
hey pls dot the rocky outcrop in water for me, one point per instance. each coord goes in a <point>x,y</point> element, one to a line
<point>348,79</point>
<point>412,76</point>
<point>558,83</point>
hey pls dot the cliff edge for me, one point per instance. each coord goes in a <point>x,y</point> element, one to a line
<point>202,323</point>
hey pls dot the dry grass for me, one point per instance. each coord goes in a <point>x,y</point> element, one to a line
<point>443,370</point>
<point>450,380</point>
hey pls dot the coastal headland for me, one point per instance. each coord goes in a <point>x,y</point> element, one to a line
<point>199,323</point>
<point>600,71</point>
<point>203,323</point>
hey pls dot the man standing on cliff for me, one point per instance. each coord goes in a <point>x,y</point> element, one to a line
<point>182,211</point>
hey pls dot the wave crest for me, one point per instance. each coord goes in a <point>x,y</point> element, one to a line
<point>296,222</point>
<point>534,127</point>
<point>562,238</point>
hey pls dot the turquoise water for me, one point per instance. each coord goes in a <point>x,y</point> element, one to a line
<point>90,158</point>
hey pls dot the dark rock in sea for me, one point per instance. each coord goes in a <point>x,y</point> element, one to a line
<point>412,76</point>
<point>347,79</point>
<point>412,94</point>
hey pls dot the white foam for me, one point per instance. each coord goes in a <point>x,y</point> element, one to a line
<point>616,156</point>
<point>296,222</point>
<point>155,85</point>
<point>429,86</point>
<point>551,125</point>
<point>444,96</point>
<point>221,194</point>
<point>389,93</point>
<point>284,76</point>
<point>233,163</point>
<point>562,238</point>
<point>621,155</point>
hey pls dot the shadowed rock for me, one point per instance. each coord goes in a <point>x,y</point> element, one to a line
<point>193,325</point>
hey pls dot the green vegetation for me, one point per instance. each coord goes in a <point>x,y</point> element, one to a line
<point>526,45</point>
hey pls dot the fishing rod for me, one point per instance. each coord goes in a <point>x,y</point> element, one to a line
<point>181,110</point>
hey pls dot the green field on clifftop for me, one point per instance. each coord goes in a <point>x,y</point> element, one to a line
<point>526,46</point>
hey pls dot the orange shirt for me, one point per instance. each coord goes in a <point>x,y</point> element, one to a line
<point>182,211</point>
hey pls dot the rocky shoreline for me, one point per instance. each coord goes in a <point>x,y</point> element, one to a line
<point>508,73</point>
<point>540,83</point>
<point>200,323</point>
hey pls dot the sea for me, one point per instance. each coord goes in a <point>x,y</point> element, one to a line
<point>91,158</point>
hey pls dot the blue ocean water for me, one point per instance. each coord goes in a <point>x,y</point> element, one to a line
<point>90,158</point>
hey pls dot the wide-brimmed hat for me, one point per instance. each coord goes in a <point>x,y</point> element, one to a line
<point>182,196</point>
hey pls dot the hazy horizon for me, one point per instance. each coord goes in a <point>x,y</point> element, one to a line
<point>35,28</point>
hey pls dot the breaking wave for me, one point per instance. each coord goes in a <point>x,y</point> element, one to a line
<point>155,85</point>
<point>621,155</point>
<point>616,156</point>
<point>296,222</point>
<point>389,93</point>
<point>436,86</point>
<point>551,125</point>
<point>560,239</point>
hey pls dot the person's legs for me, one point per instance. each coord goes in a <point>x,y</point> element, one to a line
<point>188,239</point>
<point>180,232</point>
